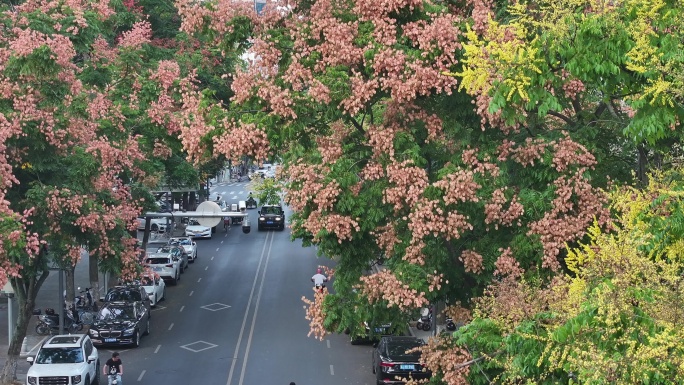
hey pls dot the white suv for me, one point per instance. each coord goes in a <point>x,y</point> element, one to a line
<point>165,265</point>
<point>69,359</point>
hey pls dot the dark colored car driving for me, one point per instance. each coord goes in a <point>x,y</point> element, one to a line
<point>120,323</point>
<point>271,217</point>
<point>391,362</point>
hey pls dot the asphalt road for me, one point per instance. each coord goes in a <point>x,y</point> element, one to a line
<point>236,318</point>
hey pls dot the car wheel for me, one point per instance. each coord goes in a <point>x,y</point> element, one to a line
<point>154,304</point>
<point>182,269</point>
<point>163,294</point>
<point>174,281</point>
<point>87,379</point>
<point>96,380</point>
<point>357,341</point>
<point>147,330</point>
<point>154,227</point>
<point>136,339</point>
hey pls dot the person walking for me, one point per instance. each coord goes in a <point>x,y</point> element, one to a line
<point>113,366</point>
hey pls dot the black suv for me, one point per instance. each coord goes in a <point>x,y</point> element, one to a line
<point>271,217</point>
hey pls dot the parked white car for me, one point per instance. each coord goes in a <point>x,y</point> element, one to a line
<point>188,245</point>
<point>72,357</point>
<point>166,265</point>
<point>154,286</point>
<point>195,230</point>
<point>156,224</point>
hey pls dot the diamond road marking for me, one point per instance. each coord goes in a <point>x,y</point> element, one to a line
<point>215,306</point>
<point>202,344</point>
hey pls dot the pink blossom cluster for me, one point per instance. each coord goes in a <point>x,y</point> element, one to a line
<point>472,261</point>
<point>386,238</point>
<point>568,152</point>
<point>507,265</point>
<point>448,359</point>
<point>469,157</point>
<point>140,34</point>
<point>330,146</point>
<point>407,183</point>
<point>385,286</point>
<point>495,213</point>
<point>305,181</point>
<point>167,73</point>
<point>459,186</point>
<point>315,315</point>
<point>241,138</point>
<point>575,207</point>
<point>362,91</point>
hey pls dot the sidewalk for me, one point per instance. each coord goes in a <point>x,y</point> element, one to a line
<point>48,296</point>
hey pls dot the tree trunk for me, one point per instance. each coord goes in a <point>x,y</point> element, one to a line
<point>25,289</point>
<point>94,277</point>
<point>69,285</point>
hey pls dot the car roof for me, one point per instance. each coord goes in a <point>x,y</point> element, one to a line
<point>65,340</point>
<point>158,255</point>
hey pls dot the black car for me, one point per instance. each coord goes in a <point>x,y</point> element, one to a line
<point>391,362</point>
<point>271,217</point>
<point>120,323</point>
<point>129,292</point>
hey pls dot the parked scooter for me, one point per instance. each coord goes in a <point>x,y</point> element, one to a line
<point>85,300</point>
<point>48,323</point>
<point>425,321</point>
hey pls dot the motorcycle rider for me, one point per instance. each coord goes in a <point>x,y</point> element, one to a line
<point>113,366</point>
<point>319,279</point>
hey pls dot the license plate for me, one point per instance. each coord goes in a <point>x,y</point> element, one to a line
<point>379,330</point>
<point>407,367</point>
<point>157,268</point>
<point>110,340</point>
<point>269,222</point>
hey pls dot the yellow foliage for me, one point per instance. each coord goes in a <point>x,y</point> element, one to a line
<point>502,49</point>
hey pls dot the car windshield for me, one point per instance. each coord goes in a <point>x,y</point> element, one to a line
<point>123,295</point>
<point>183,242</point>
<point>193,222</point>
<point>271,210</point>
<point>60,355</point>
<point>147,281</point>
<point>165,249</point>
<point>116,313</point>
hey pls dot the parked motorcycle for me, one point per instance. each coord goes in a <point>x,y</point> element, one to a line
<point>425,321</point>
<point>48,323</point>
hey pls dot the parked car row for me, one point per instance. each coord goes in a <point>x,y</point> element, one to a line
<point>125,315</point>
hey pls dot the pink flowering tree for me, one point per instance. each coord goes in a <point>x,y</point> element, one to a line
<point>456,148</point>
<point>90,120</point>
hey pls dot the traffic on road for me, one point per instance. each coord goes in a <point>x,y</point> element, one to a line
<point>222,310</point>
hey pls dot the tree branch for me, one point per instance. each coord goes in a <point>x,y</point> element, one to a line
<point>356,124</point>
